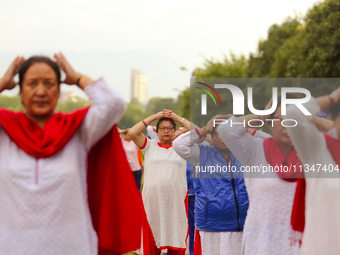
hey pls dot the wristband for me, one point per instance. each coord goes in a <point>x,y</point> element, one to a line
<point>198,133</point>
<point>80,78</point>
<point>144,123</point>
<point>182,121</point>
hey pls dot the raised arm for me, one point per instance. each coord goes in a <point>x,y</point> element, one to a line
<point>7,80</point>
<point>307,139</point>
<point>323,124</point>
<point>187,124</point>
<point>186,146</point>
<point>107,109</point>
<point>243,145</point>
<point>136,131</point>
<point>107,105</point>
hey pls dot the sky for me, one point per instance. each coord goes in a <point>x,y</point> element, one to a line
<point>109,38</point>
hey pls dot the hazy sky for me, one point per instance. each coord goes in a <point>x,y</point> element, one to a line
<point>156,37</point>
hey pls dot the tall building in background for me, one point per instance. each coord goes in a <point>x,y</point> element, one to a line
<point>139,84</point>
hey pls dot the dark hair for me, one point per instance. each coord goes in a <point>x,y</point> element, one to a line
<point>165,118</point>
<point>336,110</point>
<point>38,59</point>
<point>289,96</point>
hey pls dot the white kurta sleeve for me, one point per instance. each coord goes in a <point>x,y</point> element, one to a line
<point>243,145</point>
<point>186,147</point>
<point>261,134</point>
<point>107,109</point>
<point>308,141</point>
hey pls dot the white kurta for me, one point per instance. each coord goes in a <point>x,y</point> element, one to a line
<point>322,214</point>
<point>164,193</point>
<point>267,228</point>
<point>44,207</point>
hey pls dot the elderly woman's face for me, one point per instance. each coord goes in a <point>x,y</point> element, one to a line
<point>40,91</point>
<point>166,131</point>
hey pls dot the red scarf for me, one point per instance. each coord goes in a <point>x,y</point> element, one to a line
<point>298,213</point>
<point>113,197</point>
<point>276,157</point>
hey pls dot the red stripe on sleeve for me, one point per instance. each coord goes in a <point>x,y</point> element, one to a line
<point>198,133</point>
<point>146,140</point>
<point>254,132</point>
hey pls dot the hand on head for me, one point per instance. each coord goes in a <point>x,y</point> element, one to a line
<point>120,131</point>
<point>166,113</point>
<point>178,132</point>
<point>268,106</point>
<point>71,75</point>
<point>210,124</point>
<point>172,115</point>
<point>7,81</point>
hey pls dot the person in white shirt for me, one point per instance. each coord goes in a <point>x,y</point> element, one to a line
<point>43,177</point>
<point>319,154</point>
<point>267,227</point>
<point>165,187</point>
<point>131,151</point>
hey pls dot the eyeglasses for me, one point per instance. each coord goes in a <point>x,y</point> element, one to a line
<point>166,128</point>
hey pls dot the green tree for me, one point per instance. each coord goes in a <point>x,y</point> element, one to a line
<point>261,62</point>
<point>235,67</point>
<point>288,59</point>
<point>315,50</point>
<point>12,103</point>
<point>184,103</point>
<point>70,105</point>
<point>321,48</point>
<point>133,115</point>
<point>157,104</point>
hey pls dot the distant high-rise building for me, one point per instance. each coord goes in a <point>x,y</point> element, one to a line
<point>139,84</point>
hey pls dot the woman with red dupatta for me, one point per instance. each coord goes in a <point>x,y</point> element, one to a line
<point>320,190</point>
<point>59,176</point>
<point>267,229</point>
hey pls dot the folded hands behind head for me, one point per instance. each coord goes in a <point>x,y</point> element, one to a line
<point>210,124</point>
<point>72,77</point>
<point>7,81</point>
